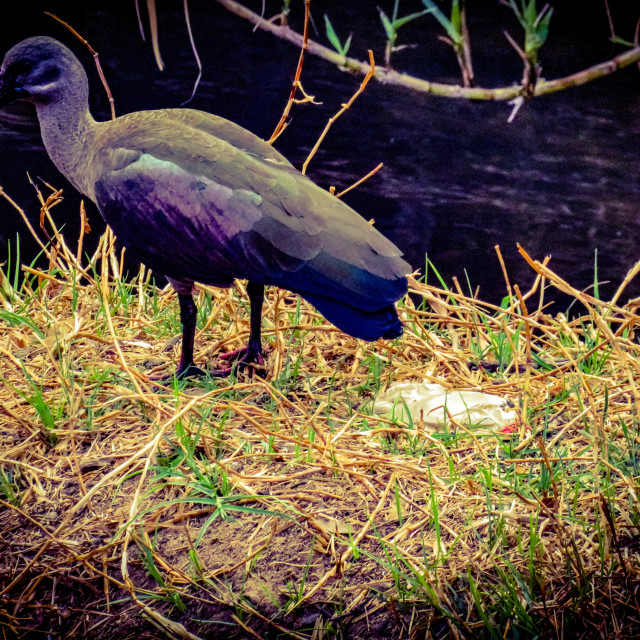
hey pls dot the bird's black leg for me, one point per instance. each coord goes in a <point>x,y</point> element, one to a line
<point>188,316</point>
<point>252,353</point>
<point>254,347</point>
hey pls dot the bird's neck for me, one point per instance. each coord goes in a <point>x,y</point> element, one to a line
<point>67,128</point>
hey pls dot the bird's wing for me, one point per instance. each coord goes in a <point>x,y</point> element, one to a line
<point>197,207</point>
<point>231,132</point>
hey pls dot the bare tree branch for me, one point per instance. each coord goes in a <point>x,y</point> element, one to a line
<point>389,76</point>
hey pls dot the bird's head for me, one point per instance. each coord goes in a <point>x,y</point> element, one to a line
<point>40,70</point>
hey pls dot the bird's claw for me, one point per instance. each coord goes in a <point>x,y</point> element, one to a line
<point>245,359</point>
<point>190,371</point>
<point>246,354</point>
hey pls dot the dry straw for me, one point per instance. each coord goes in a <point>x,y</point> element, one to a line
<point>284,506</point>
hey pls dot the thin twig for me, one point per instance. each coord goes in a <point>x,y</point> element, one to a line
<point>195,52</point>
<point>359,182</point>
<point>296,79</point>
<point>96,58</point>
<point>344,107</point>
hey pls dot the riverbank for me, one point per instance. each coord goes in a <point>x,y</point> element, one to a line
<point>286,506</point>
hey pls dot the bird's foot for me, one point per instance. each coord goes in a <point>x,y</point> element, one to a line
<point>182,373</point>
<point>239,354</point>
<point>247,359</point>
<point>190,371</point>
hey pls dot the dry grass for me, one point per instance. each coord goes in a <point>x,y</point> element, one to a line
<point>284,507</point>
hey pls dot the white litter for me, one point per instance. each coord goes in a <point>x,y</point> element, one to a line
<point>432,403</point>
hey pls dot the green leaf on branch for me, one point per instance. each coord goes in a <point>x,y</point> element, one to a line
<point>542,25</point>
<point>399,22</point>
<point>453,30</point>
<point>530,13</point>
<point>622,41</point>
<point>456,16</point>
<point>332,36</point>
<point>388,25</point>
<point>535,25</point>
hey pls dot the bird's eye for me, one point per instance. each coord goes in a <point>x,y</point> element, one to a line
<point>49,73</point>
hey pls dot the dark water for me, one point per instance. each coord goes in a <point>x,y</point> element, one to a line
<point>562,180</point>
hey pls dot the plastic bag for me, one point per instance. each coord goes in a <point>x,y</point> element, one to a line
<point>427,401</point>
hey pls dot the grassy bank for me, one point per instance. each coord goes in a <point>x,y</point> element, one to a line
<point>285,507</point>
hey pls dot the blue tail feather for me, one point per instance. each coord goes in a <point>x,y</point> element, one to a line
<point>366,325</point>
